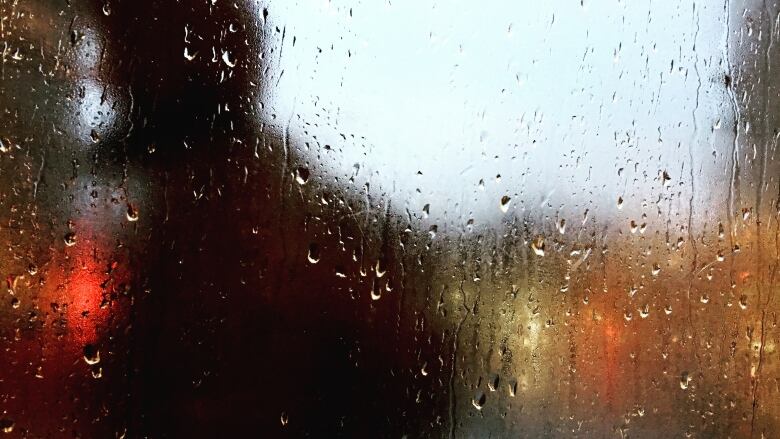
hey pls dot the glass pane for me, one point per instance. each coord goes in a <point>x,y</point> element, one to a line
<point>389,219</point>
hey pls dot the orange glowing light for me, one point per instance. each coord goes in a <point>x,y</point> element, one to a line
<point>84,293</point>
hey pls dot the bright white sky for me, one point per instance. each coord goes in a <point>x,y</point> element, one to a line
<point>553,96</point>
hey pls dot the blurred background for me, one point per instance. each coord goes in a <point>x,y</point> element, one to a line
<point>321,218</point>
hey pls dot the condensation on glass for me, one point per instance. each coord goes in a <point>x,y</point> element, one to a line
<point>389,219</point>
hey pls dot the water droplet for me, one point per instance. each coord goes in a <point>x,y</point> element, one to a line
<point>562,226</point>
<point>633,226</point>
<point>656,270</point>
<point>620,203</point>
<point>628,316</point>
<point>376,290</point>
<point>537,245</point>
<point>106,9</point>
<point>32,269</point>
<point>132,213</point>
<point>493,382</point>
<point>95,136</point>
<point>226,59</point>
<point>189,56</point>
<point>91,354</point>
<point>685,380</point>
<point>379,268</point>
<point>644,311</point>
<point>302,175</point>
<point>314,253</point>
<point>743,301</point>
<point>70,239</point>
<point>665,178</point>
<point>7,425</point>
<point>479,400</point>
<point>75,37</point>
<point>668,309</point>
<point>704,298</point>
<point>284,419</point>
<point>15,302</point>
<point>504,205</point>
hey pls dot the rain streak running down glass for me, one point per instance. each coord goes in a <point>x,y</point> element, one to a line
<point>390,218</point>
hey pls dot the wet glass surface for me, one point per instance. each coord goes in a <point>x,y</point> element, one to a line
<point>389,219</point>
